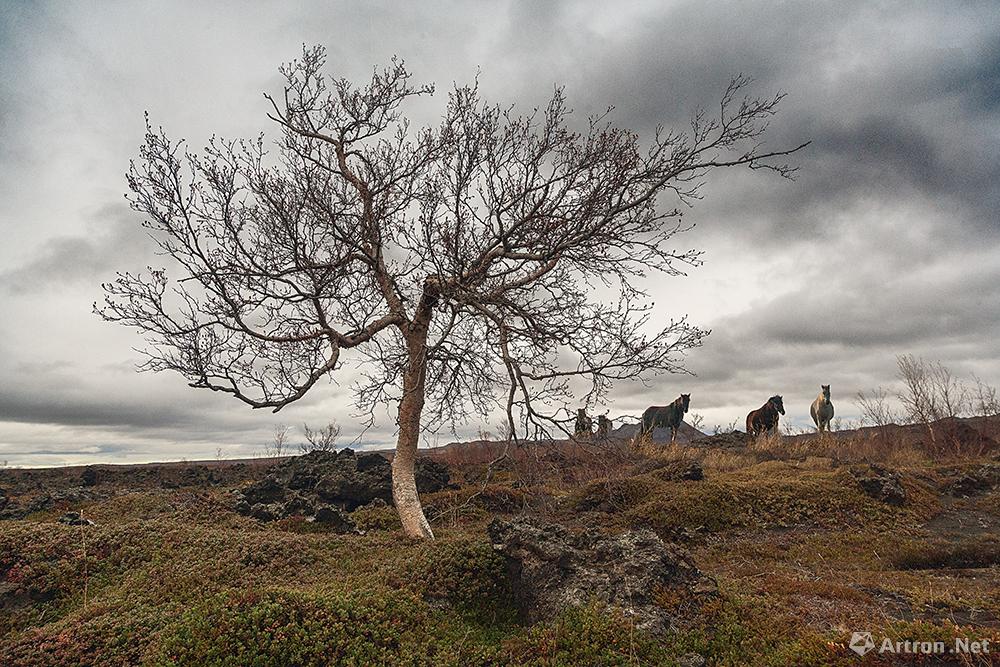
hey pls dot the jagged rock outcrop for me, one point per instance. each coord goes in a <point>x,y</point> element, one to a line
<point>325,486</point>
<point>974,480</point>
<point>22,507</point>
<point>654,582</point>
<point>880,483</point>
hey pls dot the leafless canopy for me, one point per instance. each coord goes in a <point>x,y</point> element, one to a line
<point>470,254</point>
<point>323,439</point>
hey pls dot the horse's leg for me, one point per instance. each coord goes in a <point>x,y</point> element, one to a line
<point>673,434</point>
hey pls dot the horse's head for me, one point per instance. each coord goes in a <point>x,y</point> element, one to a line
<point>826,391</point>
<point>684,401</point>
<point>776,402</point>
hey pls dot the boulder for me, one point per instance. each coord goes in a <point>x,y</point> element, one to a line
<point>551,568</point>
<point>880,483</point>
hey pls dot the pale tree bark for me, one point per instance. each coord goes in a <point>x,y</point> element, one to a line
<point>452,267</point>
<point>411,405</point>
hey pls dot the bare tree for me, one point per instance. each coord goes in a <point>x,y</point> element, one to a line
<point>696,420</point>
<point>930,390</point>
<point>279,442</point>
<point>875,407</point>
<point>323,439</point>
<point>918,397</point>
<point>952,393</point>
<point>455,266</point>
<point>719,429</point>
<point>983,400</point>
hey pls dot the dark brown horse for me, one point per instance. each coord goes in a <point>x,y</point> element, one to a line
<point>666,415</point>
<point>765,418</point>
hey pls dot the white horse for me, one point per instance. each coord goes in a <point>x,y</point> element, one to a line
<point>822,409</point>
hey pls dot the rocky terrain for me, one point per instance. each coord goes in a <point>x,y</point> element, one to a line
<point>716,550</point>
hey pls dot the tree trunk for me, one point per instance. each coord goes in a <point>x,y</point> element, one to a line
<point>404,484</point>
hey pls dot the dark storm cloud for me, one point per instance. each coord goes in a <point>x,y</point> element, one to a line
<point>889,111</point>
<point>51,406</point>
<point>115,241</point>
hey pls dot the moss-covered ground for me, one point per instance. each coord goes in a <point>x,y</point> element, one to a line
<point>172,576</point>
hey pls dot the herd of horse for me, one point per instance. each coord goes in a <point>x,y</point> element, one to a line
<point>760,421</point>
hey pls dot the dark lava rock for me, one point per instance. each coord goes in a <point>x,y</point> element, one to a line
<point>328,484</point>
<point>267,490</point>
<point>334,518</point>
<point>74,519</point>
<point>22,506</point>
<point>89,476</point>
<point>976,480</point>
<point>432,475</point>
<point>552,568</point>
<point>263,512</point>
<point>880,483</point>
<point>692,472</point>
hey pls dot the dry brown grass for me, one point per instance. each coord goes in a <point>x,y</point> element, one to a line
<point>855,448</point>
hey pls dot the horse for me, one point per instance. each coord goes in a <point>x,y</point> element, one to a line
<point>765,418</point>
<point>603,426</point>
<point>666,415</point>
<point>584,424</point>
<point>822,409</point>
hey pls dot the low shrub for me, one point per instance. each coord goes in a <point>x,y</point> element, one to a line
<point>466,573</point>
<point>280,627</point>
<point>584,636</point>
<point>376,517</point>
<point>931,555</point>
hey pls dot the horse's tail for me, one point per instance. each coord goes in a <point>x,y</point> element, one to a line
<point>750,423</point>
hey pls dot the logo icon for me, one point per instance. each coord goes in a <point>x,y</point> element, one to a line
<point>862,642</point>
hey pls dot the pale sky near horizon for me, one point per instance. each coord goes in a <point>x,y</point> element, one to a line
<point>886,244</point>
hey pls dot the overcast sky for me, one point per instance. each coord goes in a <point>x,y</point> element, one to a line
<point>887,243</point>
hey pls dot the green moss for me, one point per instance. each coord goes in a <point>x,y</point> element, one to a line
<point>466,573</point>
<point>678,507</point>
<point>586,636</point>
<point>374,517</point>
<point>759,499</point>
<point>294,628</point>
<point>614,494</point>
